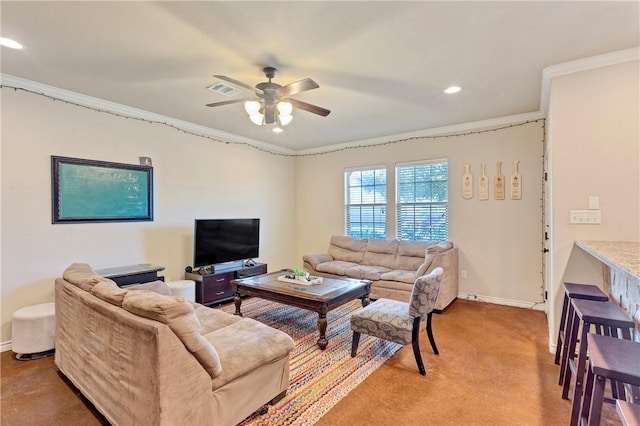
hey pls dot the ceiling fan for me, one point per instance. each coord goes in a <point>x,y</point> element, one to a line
<point>273,105</point>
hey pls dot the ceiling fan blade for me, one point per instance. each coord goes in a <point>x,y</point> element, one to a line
<point>232,101</point>
<point>310,108</point>
<point>238,83</point>
<point>297,87</point>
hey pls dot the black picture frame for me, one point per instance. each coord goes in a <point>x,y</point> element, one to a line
<point>86,191</point>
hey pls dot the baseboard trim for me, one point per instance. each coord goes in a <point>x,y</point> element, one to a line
<point>5,346</point>
<point>538,306</point>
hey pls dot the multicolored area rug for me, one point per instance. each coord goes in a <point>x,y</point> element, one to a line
<point>318,379</point>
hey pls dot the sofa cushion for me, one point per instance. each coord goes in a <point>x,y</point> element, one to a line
<point>158,286</point>
<point>109,291</point>
<point>348,249</point>
<point>411,254</point>
<point>381,253</point>
<point>336,267</point>
<point>315,259</point>
<point>377,259</point>
<point>245,346</point>
<point>179,315</point>
<point>412,248</point>
<point>213,319</point>
<point>404,276</point>
<point>81,275</point>
<point>400,286</point>
<point>372,273</point>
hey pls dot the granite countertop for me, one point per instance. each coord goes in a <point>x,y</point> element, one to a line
<point>623,255</point>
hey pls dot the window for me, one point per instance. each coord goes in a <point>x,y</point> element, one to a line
<point>366,202</point>
<point>422,201</point>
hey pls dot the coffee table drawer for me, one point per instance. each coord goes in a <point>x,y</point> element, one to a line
<point>217,287</point>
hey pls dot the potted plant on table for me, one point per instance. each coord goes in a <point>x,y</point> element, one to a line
<point>299,273</point>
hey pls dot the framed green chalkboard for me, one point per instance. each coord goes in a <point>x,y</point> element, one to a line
<point>100,191</point>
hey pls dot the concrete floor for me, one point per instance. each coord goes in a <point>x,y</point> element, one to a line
<point>494,369</point>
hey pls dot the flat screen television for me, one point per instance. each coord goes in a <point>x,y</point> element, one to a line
<point>225,240</point>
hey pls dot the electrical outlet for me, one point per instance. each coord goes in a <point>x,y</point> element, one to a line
<point>463,274</point>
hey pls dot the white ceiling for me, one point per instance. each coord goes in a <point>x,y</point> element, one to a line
<point>381,66</point>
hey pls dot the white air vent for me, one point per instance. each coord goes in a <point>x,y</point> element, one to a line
<point>224,89</point>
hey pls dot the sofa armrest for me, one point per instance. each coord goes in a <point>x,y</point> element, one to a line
<point>314,260</point>
<point>424,268</point>
<point>440,247</point>
<point>448,261</point>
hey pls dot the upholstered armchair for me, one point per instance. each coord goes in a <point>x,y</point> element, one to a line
<point>399,322</point>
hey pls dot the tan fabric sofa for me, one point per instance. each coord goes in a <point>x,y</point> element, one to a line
<point>393,265</point>
<point>143,357</point>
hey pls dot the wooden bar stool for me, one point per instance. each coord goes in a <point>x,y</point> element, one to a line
<point>615,359</point>
<point>629,413</point>
<point>573,291</point>
<point>608,320</point>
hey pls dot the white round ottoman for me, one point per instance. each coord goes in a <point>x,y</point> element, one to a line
<point>33,331</point>
<point>183,288</point>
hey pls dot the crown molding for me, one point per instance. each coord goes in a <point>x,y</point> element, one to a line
<point>436,131</point>
<point>11,81</point>
<point>621,56</point>
<point>548,73</point>
<point>627,55</point>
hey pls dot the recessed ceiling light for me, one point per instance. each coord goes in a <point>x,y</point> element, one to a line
<point>452,89</point>
<point>277,130</point>
<point>7,42</point>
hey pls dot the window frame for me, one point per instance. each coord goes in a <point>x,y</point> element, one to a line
<point>348,205</point>
<point>419,206</point>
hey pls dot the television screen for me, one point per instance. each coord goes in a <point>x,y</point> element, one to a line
<point>225,240</point>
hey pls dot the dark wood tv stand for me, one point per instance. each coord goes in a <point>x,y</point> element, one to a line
<point>213,288</point>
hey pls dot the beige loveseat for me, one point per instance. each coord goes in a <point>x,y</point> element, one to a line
<point>143,357</point>
<point>393,265</point>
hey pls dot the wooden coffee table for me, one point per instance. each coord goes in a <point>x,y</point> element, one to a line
<point>320,298</point>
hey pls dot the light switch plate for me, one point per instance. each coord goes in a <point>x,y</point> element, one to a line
<point>585,217</point>
<point>594,202</point>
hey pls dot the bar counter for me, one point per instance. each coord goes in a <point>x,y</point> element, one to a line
<point>621,273</point>
<point>623,255</point>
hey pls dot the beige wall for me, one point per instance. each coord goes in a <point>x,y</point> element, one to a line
<point>193,178</point>
<point>594,150</point>
<point>499,242</point>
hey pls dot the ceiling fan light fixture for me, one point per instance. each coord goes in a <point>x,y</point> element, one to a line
<point>252,107</point>
<point>257,119</point>
<point>285,119</point>
<point>272,107</point>
<point>285,108</point>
